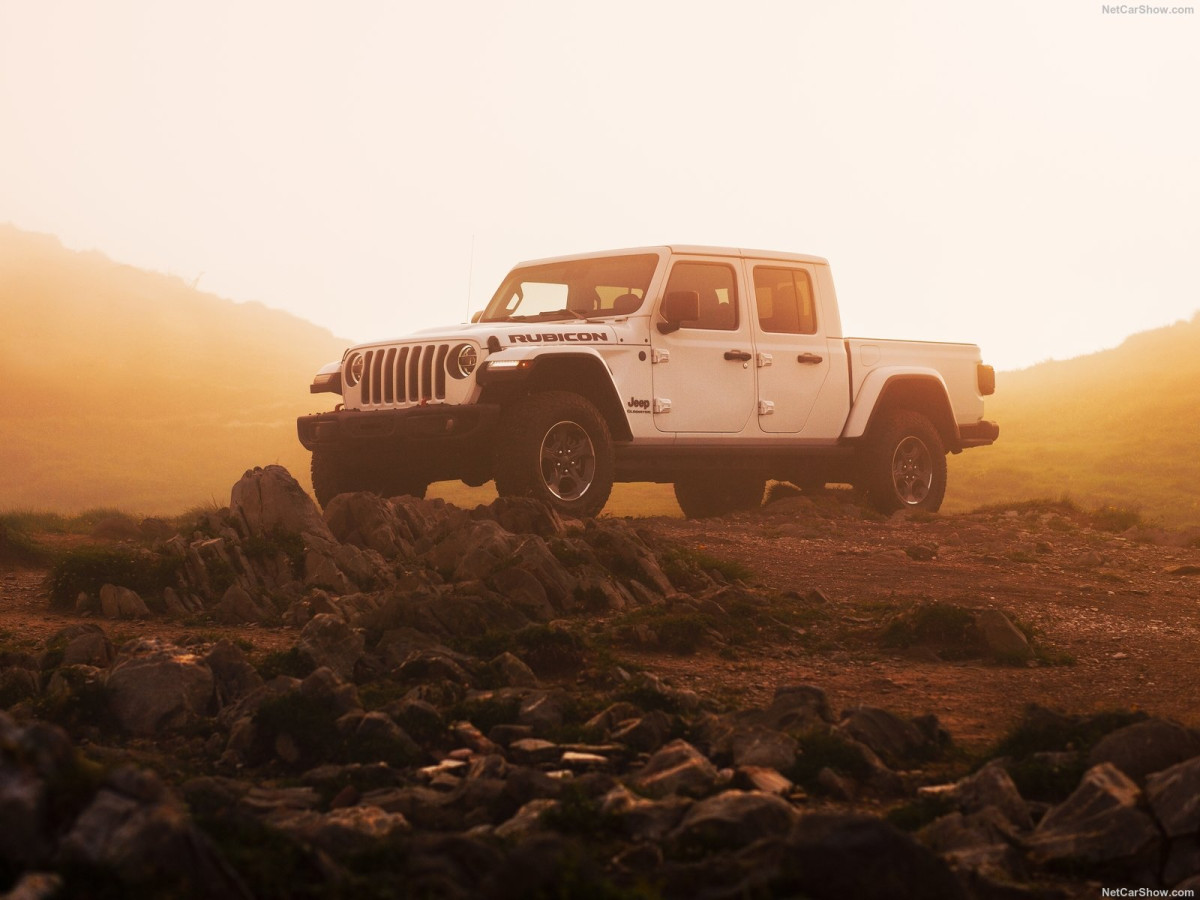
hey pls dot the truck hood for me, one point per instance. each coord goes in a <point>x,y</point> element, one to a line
<point>510,334</point>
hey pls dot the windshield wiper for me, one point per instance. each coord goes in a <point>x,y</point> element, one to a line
<point>550,315</point>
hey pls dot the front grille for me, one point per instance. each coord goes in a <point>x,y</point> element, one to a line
<point>397,376</point>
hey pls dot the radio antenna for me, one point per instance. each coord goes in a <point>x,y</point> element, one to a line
<point>470,275</point>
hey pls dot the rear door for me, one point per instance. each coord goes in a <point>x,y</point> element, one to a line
<point>704,372</point>
<point>792,359</point>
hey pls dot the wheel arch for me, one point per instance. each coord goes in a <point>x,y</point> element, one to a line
<point>922,391</point>
<point>585,374</point>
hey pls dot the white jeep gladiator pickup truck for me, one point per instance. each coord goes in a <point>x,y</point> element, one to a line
<point>714,369</point>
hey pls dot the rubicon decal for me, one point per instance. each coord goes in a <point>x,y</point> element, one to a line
<point>556,337</point>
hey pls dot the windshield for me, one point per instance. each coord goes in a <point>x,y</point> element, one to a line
<point>579,289</point>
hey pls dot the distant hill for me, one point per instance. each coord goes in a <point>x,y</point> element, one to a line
<point>128,388</point>
<point>121,387</point>
<point>1119,427</point>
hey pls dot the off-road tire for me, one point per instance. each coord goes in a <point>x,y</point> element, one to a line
<point>338,472</point>
<point>717,493</point>
<point>904,464</point>
<point>555,446</point>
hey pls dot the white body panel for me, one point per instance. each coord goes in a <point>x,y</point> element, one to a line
<point>692,393</point>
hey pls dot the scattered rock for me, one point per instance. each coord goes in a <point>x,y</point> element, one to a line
<point>1003,639</point>
<point>1099,825</point>
<point>1145,747</point>
<point>158,687</point>
<point>1174,797</point>
<point>122,603</point>
<point>678,768</point>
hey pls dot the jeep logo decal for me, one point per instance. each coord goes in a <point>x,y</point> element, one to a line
<point>638,403</point>
<point>552,337</point>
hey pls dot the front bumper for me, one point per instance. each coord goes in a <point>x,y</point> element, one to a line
<point>426,425</point>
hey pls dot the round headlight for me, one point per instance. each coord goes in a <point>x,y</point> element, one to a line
<point>354,369</point>
<point>461,360</point>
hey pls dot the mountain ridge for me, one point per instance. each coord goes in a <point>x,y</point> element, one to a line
<point>130,388</point>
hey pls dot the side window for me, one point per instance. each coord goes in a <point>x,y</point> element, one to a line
<point>717,287</point>
<point>785,301</point>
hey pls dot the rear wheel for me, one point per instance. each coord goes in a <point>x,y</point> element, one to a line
<point>715,494</point>
<point>339,472</point>
<point>904,466</point>
<point>555,447</point>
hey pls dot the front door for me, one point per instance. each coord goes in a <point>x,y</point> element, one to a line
<point>704,372</point>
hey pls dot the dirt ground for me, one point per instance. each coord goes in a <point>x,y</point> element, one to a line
<point>1117,616</point>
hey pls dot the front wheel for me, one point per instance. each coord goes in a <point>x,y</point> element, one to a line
<point>716,493</point>
<point>904,466</point>
<point>556,447</point>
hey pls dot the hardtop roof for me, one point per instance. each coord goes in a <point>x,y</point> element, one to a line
<point>686,249</point>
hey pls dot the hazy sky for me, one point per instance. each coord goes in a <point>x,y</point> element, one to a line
<point>1020,174</point>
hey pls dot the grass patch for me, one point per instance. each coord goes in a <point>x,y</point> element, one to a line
<point>1043,730</point>
<point>486,713</point>
<point>1047,780</point>
<point>950,629</point>
<point>88,569</point>
<point>823,749</point>
<point>1115,518</point>
<point>289,662</point>
<point>687,568</point>
<point>580,815</point>
<point>547,651</point>
<point>266,547</point>
<point>19,549</point>
<point>1064,506</point>
<point>918,813</point>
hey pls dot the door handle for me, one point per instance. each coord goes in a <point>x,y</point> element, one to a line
<point>739,355</point>
<point>809,359</point>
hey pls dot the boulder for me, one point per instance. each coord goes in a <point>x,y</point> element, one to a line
<point>1174,797</point>
<point>645,733</point>
<point>764,747</point>
<point>678,768</point>
<point>90,646</point>
<point>523,515</point>
<point>341,832</point>
<point>510,671</point>
<point>237,607</point>
<point>895,740</point>
<point>845,855</point>
<point>1001,637</point>
<point>121,603</point>
<point>330,642</point>
<point>160,686</point>
<point>1145,747</point>
<point>147,843</point>
<point>368,521</point>
<point>233,676</point>
<point>269,499</point>
<point>1100,826</point>
<point>992,787</point>
<point>797,708</point>
<point>641,819</point>
<point>733,819</point>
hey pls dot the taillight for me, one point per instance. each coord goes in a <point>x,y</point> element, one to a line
<point>986,376</point>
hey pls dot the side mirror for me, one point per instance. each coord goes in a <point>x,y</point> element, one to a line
<point>678,307</point>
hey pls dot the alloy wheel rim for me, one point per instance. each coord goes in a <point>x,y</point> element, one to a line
<point>912,471</point>
<point>567,461</point>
